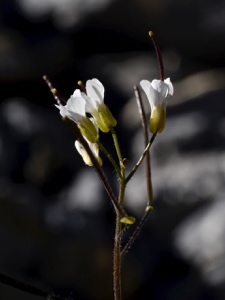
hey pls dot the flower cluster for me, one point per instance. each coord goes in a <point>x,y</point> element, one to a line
<point>76,108</point>
<point>80,103</point>
<point>86,108</point>
<point>92,101</point>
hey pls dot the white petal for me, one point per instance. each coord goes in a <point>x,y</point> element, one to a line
<point>76,105</point>
<point>86,158</point>
<point>62,110</point>
<point>151,94</point>
<point>161,87</point>
<point>78,146</point>
<point>91,105</point>
<point>95,90</point>
<point>157,91</point>
<point>146,85</point>
<point>76,93</point>
<point>170,86</point>
<point>83,153</point>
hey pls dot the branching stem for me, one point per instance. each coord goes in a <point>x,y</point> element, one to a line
<point>141,158</point>
<point>145,131</point>
<point>109,156</point>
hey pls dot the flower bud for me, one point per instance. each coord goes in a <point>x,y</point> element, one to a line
<point>86,158</point>
<point>158,119</point>
<point>88,129</point>
<point>128,220</point>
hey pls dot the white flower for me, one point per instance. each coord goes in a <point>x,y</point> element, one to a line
<point>86,158</point>
<point>75,110</point>
<point>94,148</point>
<point>95,91</point>
<point>158,93</point>
<point>96,107</point>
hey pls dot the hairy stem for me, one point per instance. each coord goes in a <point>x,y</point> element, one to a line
<point>117,260</point>
<point>117,240</point>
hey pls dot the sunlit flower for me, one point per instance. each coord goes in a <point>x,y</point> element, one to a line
<point>75,110</point>
<point>158,93</point>
<point>96,107</point>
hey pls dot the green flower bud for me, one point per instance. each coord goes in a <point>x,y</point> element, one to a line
<point>88,129</point>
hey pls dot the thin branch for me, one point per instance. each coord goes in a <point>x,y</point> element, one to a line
<point>158,54</point>
<point>148,173</point>
<point>142,157</point>
<point>135,234</point>
<point>109,156</point>
<point>25,287</point>
<point>145,131</point>
<point>119,154</point>
<point>60,100</point>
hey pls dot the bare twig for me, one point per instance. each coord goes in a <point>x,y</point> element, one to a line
<point>22,286</point>
<point>158,54</point>
<point>142,157</point>
<point>148,173</point>
<point>145,131</point>
<point>58,98</point>
<point>135,234</point>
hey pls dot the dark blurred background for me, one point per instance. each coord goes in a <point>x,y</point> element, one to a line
<point>56,222</point>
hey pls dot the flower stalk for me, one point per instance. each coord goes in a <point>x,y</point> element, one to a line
<point>141,158</point>
<point>158,54</point>
<point>110,158</point>
<point>145,132</point>
<point>89,99</point>
<point>97,167</point>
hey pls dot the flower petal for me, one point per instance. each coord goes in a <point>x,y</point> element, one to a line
<point>95,90</point>
<point>86,158</point>
<point>146,85</point>
<point>76,106</point>
<point>83,153</point>
<point>62,110</point>
<point>170,87</point>
<point>161,87</point>
<point>152,94</point>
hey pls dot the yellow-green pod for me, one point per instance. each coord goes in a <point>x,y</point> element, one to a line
<point>158,119</point>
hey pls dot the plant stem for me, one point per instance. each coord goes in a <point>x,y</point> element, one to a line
<point>25,287</point>
<point>117,260</point>
<point>108,155</point>
<point>116,143</point>
<point>141,158</point>
<point>135,234</point>
<point>145,131</point>
<point>158,54</point>
<point>117,240</point>
<point>117,246</point>
<point>97,167</point>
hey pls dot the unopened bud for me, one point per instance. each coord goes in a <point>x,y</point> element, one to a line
<point>128,220</point>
